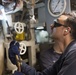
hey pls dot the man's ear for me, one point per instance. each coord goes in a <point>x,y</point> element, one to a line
<point>67,30</point>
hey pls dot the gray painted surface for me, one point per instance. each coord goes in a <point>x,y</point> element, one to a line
<point>41,12</point>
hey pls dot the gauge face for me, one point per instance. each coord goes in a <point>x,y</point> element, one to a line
<point>56,7</point>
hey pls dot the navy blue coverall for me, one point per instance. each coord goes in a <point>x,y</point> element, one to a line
<point>66,64</point>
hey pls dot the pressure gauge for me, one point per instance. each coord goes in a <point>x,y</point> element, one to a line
<point>56,7</point>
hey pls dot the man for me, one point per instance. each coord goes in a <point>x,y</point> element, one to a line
<point>63,29</point>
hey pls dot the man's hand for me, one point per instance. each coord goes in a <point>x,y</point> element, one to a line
<point>19,60</point>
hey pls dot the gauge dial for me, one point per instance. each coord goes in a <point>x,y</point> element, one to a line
<point>56,7</point>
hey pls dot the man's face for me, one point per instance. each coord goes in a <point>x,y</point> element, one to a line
<point>58,27</point>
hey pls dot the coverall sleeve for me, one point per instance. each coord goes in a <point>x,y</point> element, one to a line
<point>27,70</point>
<point>69,64</point>
<point>68,67</point>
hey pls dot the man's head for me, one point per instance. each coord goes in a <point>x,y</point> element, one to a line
<point>64,26</point>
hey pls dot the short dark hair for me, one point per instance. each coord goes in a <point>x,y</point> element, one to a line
<point>71,22</point>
